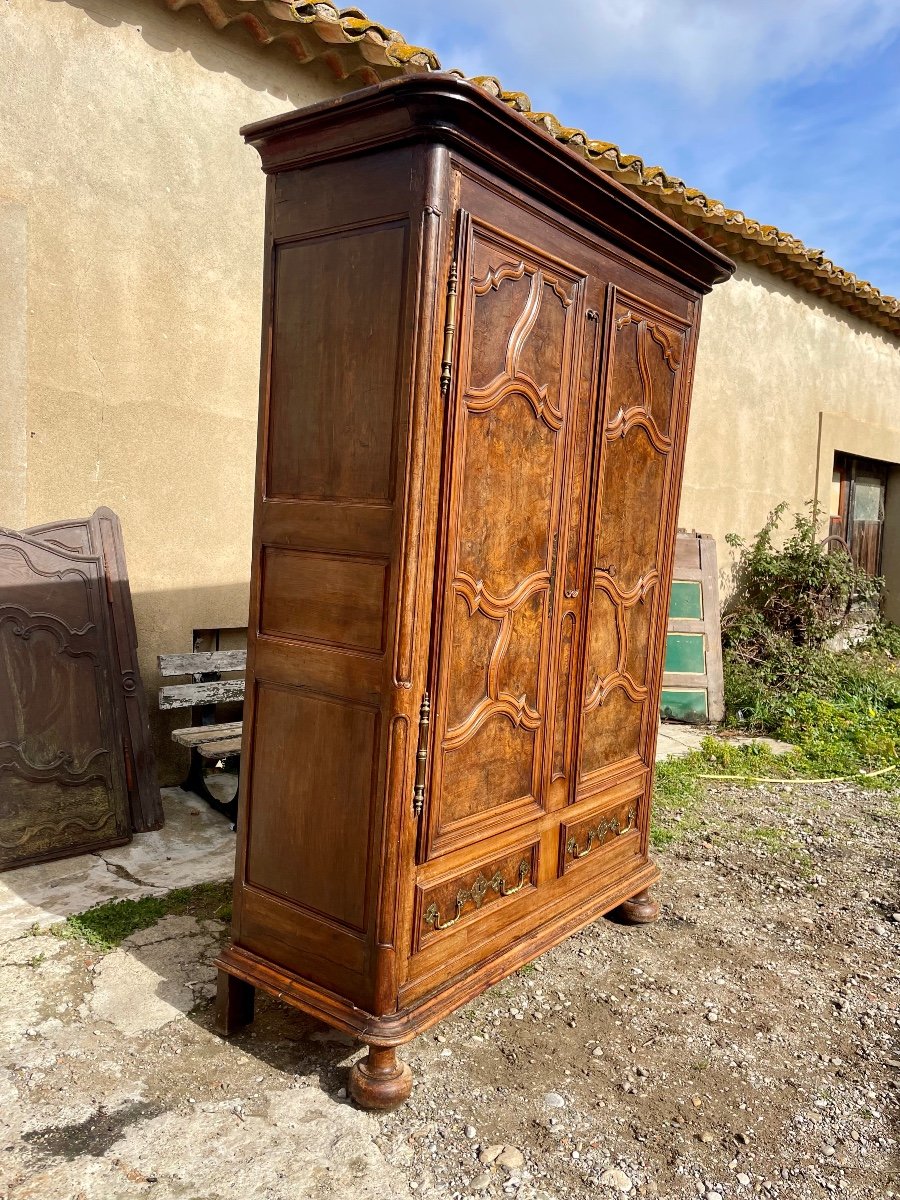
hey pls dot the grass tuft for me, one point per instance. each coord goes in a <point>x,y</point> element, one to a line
<point>107,925</point>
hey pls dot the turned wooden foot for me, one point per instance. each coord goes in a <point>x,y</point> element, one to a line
<point>234,1004</point>
<point>380,1080</point>
<point>641,909</point>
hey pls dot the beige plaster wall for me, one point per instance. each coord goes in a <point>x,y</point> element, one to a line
<point>782,381</point>
<point>131,219</point>
<point>131,222</point>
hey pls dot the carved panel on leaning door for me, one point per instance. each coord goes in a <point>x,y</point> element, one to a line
<point>508,426</point>
<point>644,374</point>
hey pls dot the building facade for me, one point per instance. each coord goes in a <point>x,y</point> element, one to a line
<point>131,217</point>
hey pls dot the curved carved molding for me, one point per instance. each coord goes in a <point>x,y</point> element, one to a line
<point>62,767</point>
<point>637,417</point>
<point>21,550</point>
<point>496,275</point>
<point>627,598</point>
<point>502,609</point>
<point>34,833</point>
<point>516,708</point>
<point>24,623</point>
<point>602,689</point>
<point>668,341</point>
<point>480,599</point>
<point>511,379</point>
<point>641,415</point>
<point>522,385</point>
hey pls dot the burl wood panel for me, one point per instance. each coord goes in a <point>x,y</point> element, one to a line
<point>312,847</point>
<point>62,784</point>
<point>635,496</point>
<point>510,425</point>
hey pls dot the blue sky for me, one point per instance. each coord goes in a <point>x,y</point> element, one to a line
<point>789,111</point>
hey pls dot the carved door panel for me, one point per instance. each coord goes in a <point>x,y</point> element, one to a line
<point>62,784</point>
<point>508,428</point>
<point>636,464</point>
<point>100,536</point>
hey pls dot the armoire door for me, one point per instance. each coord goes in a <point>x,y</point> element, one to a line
<point>508,434</point>
<point>639,452</point>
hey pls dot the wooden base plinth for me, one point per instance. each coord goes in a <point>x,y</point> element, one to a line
<point>641,909</point>
<point>235,1004</point>
<point>380,1080</point>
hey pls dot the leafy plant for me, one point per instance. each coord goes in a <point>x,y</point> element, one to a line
<point>840,708</point>
<point>799,591</point>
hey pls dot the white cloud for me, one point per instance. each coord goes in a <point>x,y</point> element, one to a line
<point>703,49</point>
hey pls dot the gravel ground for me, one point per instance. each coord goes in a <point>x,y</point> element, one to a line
<point>746,1045</point>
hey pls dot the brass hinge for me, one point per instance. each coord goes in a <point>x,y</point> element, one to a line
<point>422,756</point>
<point>449,330</point>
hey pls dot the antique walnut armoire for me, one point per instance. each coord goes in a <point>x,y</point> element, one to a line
<point>476,371</point>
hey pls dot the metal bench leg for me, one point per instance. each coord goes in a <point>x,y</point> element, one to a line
<point>195,781</point>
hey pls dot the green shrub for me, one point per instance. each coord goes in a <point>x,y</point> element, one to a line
<point>840,708</point>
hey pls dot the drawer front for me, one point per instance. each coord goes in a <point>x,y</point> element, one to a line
<point>595,837</point>
<point>473,895</point>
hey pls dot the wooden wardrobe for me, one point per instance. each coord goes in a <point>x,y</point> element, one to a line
<point>476,370</point>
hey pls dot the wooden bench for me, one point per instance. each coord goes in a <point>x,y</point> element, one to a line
<point>210,741</point>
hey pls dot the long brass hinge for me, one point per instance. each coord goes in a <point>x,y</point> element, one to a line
<point>449,329</point>
<point>422,756</point>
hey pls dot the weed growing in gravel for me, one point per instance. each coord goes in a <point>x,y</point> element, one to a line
<point>107,925</point>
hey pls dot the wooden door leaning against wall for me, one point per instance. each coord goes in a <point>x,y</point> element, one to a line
<point>858,488</point>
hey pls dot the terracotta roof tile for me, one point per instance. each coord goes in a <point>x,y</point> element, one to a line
<point>354,46</point>
<point>344,39</point>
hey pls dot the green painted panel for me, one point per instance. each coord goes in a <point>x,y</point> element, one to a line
<point>684,704</point>
<point>686,654</point>
<point>686,603</point>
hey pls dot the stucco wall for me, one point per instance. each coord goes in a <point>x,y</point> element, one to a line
<point>131,218</point>
<point>782,381</point>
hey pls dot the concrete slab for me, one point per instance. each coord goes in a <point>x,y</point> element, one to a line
<point>156,975</point>
<point>675,741</point>
<point>195,845</point>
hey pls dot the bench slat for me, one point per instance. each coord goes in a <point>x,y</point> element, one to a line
<point>222,749</point>
<point>198,735</point>
<point>202,661</point>
<point>185,695</point>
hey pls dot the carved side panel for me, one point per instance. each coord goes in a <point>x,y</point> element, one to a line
<point>62,787</point>
<point>100,535</point>
<point>509,432</point>
<point>644,370</point>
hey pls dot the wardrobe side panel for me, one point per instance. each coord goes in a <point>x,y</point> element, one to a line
<point>325,550</point>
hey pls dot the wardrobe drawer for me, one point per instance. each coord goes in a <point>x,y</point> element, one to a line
<point>480,891</point>
<point>611,830</point>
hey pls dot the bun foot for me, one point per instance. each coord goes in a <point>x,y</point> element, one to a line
<point>641,909</point>
<point>380,1080</point>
